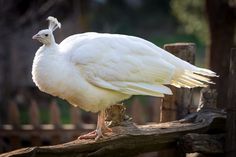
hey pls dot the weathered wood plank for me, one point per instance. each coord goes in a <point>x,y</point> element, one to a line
<point>129,139</point>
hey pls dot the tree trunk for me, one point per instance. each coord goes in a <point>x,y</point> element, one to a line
<point>221,18</point>
<point>81,10</point>
<point>231,109</point>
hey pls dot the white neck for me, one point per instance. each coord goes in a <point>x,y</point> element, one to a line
<point>51,42</point>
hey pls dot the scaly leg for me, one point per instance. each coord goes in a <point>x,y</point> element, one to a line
<point>100,130</point>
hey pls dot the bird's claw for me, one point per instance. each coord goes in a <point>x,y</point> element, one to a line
<point>90,135</point>
<point>99,135</point>
<point>96,134</point>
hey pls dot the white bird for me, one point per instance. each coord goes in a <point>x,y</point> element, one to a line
<point>94,70</point>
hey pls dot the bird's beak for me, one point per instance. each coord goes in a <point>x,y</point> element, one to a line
<point>36,36</point>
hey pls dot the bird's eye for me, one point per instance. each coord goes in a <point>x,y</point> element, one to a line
<point>46,35</point>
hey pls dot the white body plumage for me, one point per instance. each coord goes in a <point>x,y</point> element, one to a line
<point>93,70</point>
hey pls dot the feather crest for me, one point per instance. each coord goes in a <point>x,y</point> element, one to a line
<point>53,23</point>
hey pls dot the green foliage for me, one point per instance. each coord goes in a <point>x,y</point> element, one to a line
<point>64,110</point>
<point>191,15</point>
<point>44,114</point>
<point>24,116</point>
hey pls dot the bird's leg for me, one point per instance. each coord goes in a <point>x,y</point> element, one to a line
<point>100,130</point>
<point>93,134</point>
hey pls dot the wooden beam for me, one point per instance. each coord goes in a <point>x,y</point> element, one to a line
<point>129,139</point>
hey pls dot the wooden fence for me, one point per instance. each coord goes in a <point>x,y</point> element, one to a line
<point>201,131</point>
<point>15,135</point>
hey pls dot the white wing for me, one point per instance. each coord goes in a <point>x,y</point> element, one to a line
<point>117,62</point>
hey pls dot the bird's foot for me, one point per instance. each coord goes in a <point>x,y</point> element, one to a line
<point>90,135</point>
<point>96,134</point>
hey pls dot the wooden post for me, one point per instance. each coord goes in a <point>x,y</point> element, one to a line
<point>136,111</point>
<point>231,108</point>
<point>207,103</point>
<point>179,104</point>
<point>35,122</point>
<point>56,121</point>
<point>14,120</point>
<point>156,104</point>
<point>208,99</point>
<point>14,115</point>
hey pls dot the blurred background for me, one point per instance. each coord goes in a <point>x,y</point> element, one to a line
<point>209,24</point>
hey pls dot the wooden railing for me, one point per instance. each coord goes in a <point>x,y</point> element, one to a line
<point>202,131</point>
<point>15,135</point>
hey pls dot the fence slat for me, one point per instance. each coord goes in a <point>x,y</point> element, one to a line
<point>75,116</point>
<point>34,114</point>
<point>55,114</point>
<point>14,115</point>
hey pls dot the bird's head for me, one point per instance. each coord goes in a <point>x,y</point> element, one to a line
<point>46,36</point>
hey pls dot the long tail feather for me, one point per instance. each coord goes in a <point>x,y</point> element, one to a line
<point>198,77</point>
